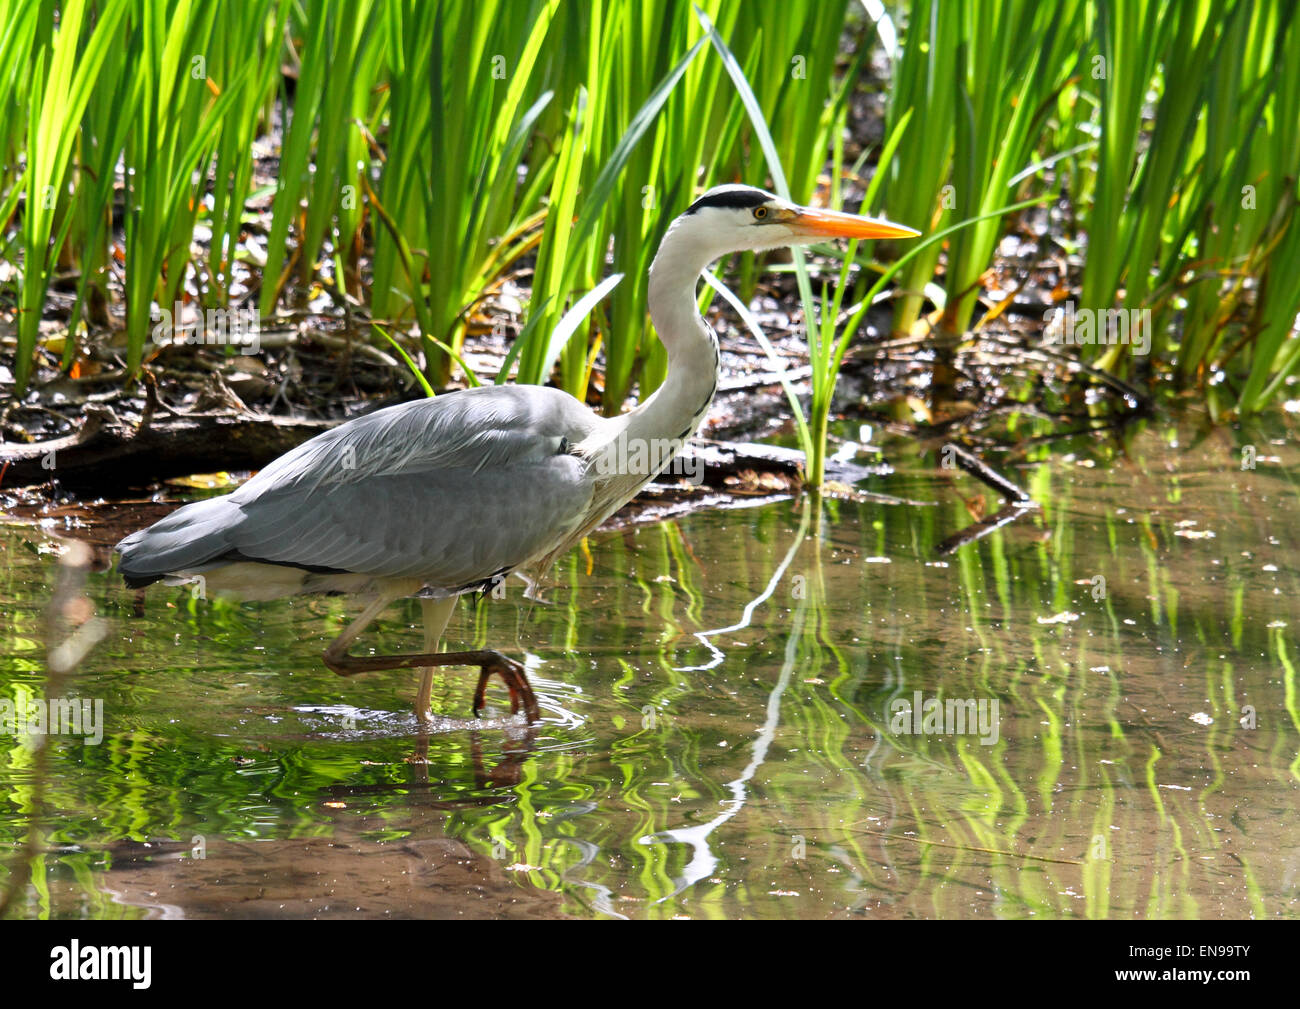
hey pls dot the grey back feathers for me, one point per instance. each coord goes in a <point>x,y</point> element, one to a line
<point>427,490</point>
<point>488,426</point>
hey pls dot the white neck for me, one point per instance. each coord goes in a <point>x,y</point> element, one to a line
<point>626,452</point>
<point>677,407</point>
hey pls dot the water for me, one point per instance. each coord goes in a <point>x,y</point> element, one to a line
<point>721,734</point>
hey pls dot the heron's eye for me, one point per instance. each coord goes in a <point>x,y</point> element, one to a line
<point>760,212</point>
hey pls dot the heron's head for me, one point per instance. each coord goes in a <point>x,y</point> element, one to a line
<point>742,218</point>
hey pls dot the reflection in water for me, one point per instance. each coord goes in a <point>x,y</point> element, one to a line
<point>747,615</point>
<point>722,686</point>
<point>703,862</point>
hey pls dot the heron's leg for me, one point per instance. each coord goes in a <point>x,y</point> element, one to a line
<point>436,614</point>
<point>489,662</point>
<point>340,645</point>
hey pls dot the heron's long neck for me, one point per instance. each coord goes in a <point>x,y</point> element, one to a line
<point>679,405</point>
<point>627,451</point>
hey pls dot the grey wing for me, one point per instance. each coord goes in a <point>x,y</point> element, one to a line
<point>475,429</point>
<point>451,528</point>
<point>451,489</point>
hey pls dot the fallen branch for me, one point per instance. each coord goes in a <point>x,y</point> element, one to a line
<point>764,378</point>
<point>982,471</point>
<point>980,529</point>
<point>108,453</point>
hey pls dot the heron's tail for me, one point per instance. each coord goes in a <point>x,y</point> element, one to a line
<point>186,539</point>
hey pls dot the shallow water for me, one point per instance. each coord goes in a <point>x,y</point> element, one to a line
<point>721,734</point>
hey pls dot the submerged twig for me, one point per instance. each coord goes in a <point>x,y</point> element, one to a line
<point>986,473</point>
<point>982,528</point>
<point>970,847</point>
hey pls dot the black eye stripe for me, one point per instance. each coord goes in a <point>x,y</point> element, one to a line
<point>732,199</point>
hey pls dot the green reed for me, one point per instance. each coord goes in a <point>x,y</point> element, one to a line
<point>427,151</point>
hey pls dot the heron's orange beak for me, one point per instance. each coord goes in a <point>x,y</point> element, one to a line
<point>833,224</point>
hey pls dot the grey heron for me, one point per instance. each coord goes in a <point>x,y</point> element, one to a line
<point>450,495</point>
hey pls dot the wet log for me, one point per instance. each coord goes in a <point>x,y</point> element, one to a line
<point>107,454</point>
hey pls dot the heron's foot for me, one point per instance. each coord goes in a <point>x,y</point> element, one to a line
<point>488,661</point>
<point>516,680</point>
